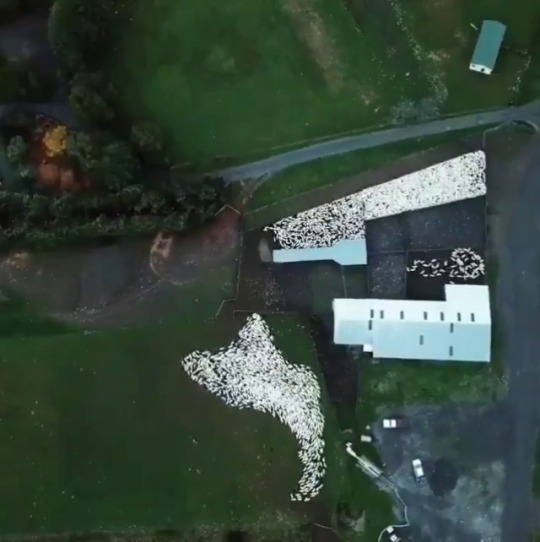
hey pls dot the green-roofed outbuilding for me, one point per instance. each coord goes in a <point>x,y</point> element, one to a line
<point>488,47</point>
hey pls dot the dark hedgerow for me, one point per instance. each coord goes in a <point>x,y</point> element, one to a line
<point>45,220</point>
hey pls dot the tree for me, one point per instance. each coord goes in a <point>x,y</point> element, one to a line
<point>17,151</point>
<point>27,171</point>
<point>89,105</point>
<point>147,139</point>
<point>63,206</point>
<point>38,208</point>
<point>117,165</point>
<point>56,140</point>
<point>153,201</point>
<point>131,196</point>
<point>84,150</point>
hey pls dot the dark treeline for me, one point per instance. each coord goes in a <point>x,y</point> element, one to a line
<point>121,182</point>
<point>43,219</point>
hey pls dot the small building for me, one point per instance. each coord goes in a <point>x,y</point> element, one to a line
<point>458,328</point>
<point>488,47</point>
<point>346,252</point>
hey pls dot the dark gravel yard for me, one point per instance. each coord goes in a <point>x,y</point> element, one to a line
<point>463,450</point>
<point>387,275</point>
<point>459,224</point>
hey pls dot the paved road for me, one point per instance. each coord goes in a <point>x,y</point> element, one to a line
<point>519,291</point>
<point>58,111</point>
<point>279,162</point>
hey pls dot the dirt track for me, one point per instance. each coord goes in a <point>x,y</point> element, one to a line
<point>124,283</point>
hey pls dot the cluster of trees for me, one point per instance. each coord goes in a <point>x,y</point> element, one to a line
<point>117,159</point>
<point>83,35</point>
<point>110,163</point>
<point>133,209</point>
<point>119,197</point>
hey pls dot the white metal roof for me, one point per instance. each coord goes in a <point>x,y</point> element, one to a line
<point>458,328</point>
<point>462,301</point>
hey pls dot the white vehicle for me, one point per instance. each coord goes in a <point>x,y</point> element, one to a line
<point>396,422</point>
<point>366,438</point>
<point>418,470</point>
<point>392,536</point>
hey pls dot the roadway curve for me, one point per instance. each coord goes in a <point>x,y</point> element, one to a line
<point>519,288</point>
<point>529,113</point>
<point>60,112</point>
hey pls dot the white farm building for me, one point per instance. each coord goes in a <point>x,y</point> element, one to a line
<point>458,328</point>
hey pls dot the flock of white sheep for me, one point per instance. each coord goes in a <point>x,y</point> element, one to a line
<point>457,179</point>
<point>464,264</point>
<point>252,373</point>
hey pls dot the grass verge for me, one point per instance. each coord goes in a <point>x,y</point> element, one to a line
<point>283,193</point>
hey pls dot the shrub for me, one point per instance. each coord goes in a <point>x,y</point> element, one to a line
<point>147,138</point>
<point>17,151</point>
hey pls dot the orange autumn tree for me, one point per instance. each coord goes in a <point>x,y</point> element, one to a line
<point>55,141</point>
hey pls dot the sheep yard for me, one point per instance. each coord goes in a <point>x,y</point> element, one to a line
<point>106,431</point>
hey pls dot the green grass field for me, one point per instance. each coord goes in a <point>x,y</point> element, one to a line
<point>408,383</point>
<point>234,78</point>
<point>239,79</point>
<point>20,320</point>
<point>105,431</point>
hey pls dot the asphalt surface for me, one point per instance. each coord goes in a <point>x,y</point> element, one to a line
<point>519,291</point>
<point>279,162</point>
<point>60,112</point>
<point>462,447</point>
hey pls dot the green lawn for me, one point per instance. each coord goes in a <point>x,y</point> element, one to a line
<point>106,432</point>
<point>236,77</point>
<point>20,319</point>
<point>407,383</point>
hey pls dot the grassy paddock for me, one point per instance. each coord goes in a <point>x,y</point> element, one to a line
<point>20,319</point>
<point>228,79</point>
<point>234,80</point>
<point>442,31</point>
<point>396,383</point>
<point>105,431</point>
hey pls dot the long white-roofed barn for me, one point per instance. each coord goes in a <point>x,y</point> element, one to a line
<point>458,328</point>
